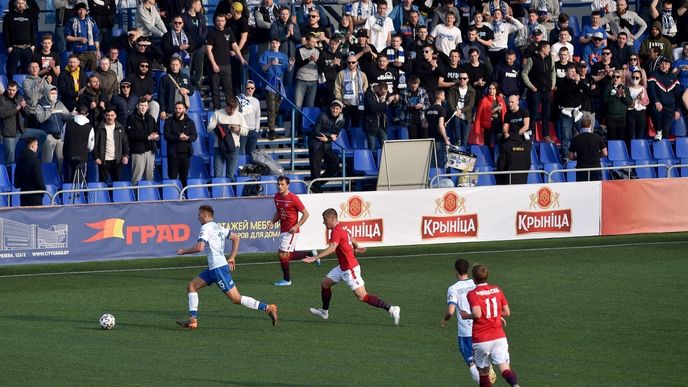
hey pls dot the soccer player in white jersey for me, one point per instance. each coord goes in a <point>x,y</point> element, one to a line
<point>211,239</point>
<point>456,299</point>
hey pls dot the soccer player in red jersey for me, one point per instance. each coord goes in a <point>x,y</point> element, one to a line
<point>348,269</point>
<point>488,307</point>
<point>287,209</point>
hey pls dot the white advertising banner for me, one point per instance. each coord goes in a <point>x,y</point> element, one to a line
<point>395,218</point>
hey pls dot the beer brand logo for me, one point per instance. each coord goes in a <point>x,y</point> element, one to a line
<point>363,230</point>
<point>143,234</point>
<point>456,226</point>
<point>551,220</point>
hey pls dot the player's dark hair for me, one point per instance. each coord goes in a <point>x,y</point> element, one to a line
<point>596,13</point>
<point>563,18</point>
<point>207,208</point>
<point>461,265</point>
<point>480,273</point>
<point>283,178</point>
<point>329,212</point>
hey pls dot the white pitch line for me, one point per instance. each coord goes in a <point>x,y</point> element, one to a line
<point>359,258</point>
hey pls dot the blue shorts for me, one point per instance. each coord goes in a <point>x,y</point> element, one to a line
<point>219,276</point>
<point>466,348</point>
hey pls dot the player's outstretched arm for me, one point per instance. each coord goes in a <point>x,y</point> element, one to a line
<point>329,250</point>
<point>235,248</point>
<point>197,248</point>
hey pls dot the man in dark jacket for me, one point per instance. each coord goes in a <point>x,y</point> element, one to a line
<point>125,102</point>
<point>12,107</point>
<point>570,91</point>
<point>103,13</point>
<point>29,176</point>
<point>539,75</point>
<point>142,86</point>
<point>174,86</point>
<point>95,99</point>
<point>325,132</point>
<point>143,134</point>
<point>71,82</point>
<point>377,101</point>
<point>112,147</point>
<point>180,133</point>
<point>20,34</point>
<point>664,91</point>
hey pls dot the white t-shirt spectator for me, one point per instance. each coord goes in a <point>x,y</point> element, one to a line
<point>446,38</point>
<point>380,29</point>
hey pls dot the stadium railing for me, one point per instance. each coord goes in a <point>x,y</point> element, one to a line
<point>9,195</point>
<point>343,179</point>
<point>617,168</point>
<point>87,190</point>
<point>473,176</point>
<point>234,184</point>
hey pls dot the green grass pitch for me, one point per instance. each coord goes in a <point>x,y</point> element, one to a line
<point>585,312</point>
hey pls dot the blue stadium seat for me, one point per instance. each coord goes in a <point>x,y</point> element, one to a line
<point>270,188</point>
<point>199,192</point>
<point>482,152</point>
<point>534,161</point>
<point>682,153</point>
<point>571,174</point>
<point>197,168</point>
<point>359,140</point>
<point>342,144</point>
<point>50,174</point>
<point>19,78</point>
<point>535,177</point>
<point>549,153</point>
<point>484,180</point>
<point>197,118</point>
<point>65,55</point>
<point>224,191</point>
<point>646,173</point>
<point>364,163</point>
<point>52,189</point>
<point>5,182</point>
<point>310,116</point>
<point>575,25</point>
<point>92,171</point>
<point>558,177</point>
<point>72,197</point>
<point>618,154</point>
<point>16,199</point>
<point>664,155</point>
<point>148,194</point>
<point>98,196</point>
<point>640,150</point>
<point>297,187</point>
<point>196,103</point>
<point>171,193</point>
<point>123,195</point>
<point>605,163</point>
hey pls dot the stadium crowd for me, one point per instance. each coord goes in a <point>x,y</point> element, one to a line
<point>444,69</point>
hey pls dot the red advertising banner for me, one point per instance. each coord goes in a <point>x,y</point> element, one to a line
<point>644,206</point>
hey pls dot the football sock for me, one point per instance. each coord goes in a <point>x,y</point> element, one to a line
<point>373,300</point>
<point>284,262</point>
<point>193,304</point>
<point>510,377</point>
<point>252,303</point>
<point>485,381</point>
<point>298,255</point>
<point>474,373</point>
<point>326,295</point>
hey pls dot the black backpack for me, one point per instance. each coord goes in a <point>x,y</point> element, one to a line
<point>253,189</point>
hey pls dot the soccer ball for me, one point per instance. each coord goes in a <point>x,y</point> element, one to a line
<point>107,321</point>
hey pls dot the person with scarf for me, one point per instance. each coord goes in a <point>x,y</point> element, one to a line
<point>250,108</point>
<point>380,27</point>
<point>502,27</point>
<point>84,37</point>
<point>264,15</point>
<point>177,44</point>
<point>548,12</point>
<point>670,19</point>
<point>71,82</point>
<point>64,11</point>
<point>174,87</point>
<point>349,87</point>
<point>275,64</point>
<point>361,10</point>
<point>527,33</point>
<point>489,8</point>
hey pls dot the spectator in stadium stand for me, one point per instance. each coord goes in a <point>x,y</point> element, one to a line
<point>366,53</point>
<point>224,8</point>
<point>415,48</point>
<point>489,115</point>
<point>632,66</point>
<point>111,150</point>
<point>180,133</point>
<point>409,30</point>
<point>196,28</point>
<point>595,26</point>
<point>665,94</point>
<point>561,25</point>
<point>401,14</point>
<point>325,132</point>
<point>20,34</point>
<point>264,15</point>
<point>34,86</point>
<point>322,34</point>
<point>539,76</point>
<point>526,36</point>
<point>48,61</point>
<point>440,15</point>
<point>671,18</point>
<point>174,86</point>
<point>79,140</point>
<point>617,100</point>
<point>514,154</point>
<point>239,27</point>
<point>485,33</point>
<point>104,13</point>
<point>563,42</point>
<point>620,48</point>
<point>415,101</point>
<point>636,117</point>
<point>220,42</point>
<point>234,125</point>
<point>350,87</point>
<point>115,64</point>
<point>124,103</point>
<point>361,10</point>
<point>377,101</point>
<point>532,47</point>
<point>95,99</point>
<point>448,77</point>
<point>108,79</point>
<point>592,53</point>
<point>464,15</point>
<point>652,62</point>
<point>275,64</point>
<point>561,66</point>
<point>446,36</point>
<point>71,82</point>
<point>428,69</point>
<point>144,52</point>
<point>624,20</point>
<point>286,31</point>
<point>656,40</point>
<point>587,99</point>
<point>346,31</point>
<point>507,74</point>
<point>489,8</point>
<point>51,115</point>
<point>383,72</point>
<point>548,12</point>
<point>141,82</point>
<point>603,6</point>
<point>570,91</point>
<point>143,133</point>
<point>12,116</point>
<point>127,43</point>
<point>330,63</point>
<point>177,44</point>
<point>602,73</point>
<point>681,66</point>
<point>427,8</point>
<point>437,115</point>
<point>380,27</point>
<point>28,175</point>
<point>502,27</point>
<point>149,20</point>
<point>479,73</point>
<point>459,126</point>
<point>168,9</point>
<point>64,10</point>
<point>472,42</point>
<point>587,148</point>
<point>306,76</point>
<point>304,10</point>
<point>83,37</point>
<point>250,108</point>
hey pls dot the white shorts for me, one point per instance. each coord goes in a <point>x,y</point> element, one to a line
<point>497,350</point>
<point>287,242</point>
<point>351,277</point>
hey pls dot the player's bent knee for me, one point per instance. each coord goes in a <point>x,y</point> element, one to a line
<point>190,287</point>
